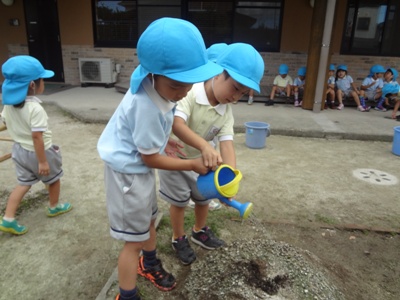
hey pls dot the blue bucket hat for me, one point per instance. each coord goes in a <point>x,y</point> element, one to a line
<point>244,64</point>
<point>215,50</point>
<point>394,72</point>
<point>302,71</point>
<point>331,67</point>
<point>18,72</point>
<point>390,89</point>
<point>376,69</point>
<point>283,69</point>
<point>175,49</point>
<point>342,67</point>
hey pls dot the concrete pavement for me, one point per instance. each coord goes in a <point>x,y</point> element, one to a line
<point>97,104</point>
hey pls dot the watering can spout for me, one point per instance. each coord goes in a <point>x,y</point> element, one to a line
<point>244,209</point>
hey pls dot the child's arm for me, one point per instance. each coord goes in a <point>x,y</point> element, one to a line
<point>38,144</point>
<point>210,156</point>
<point>353,85</point>
<point>228,153</point>
<point>158,161</point>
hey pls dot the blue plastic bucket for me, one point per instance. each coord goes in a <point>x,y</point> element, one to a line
<point>396,141</point>
<point>256,134</point>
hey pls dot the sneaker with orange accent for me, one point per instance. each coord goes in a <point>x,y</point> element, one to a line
<point>157,275</point>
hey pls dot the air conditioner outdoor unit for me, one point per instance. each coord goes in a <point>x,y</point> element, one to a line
<point>97,70</point>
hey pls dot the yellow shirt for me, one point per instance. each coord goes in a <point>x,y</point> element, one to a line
<point>21,122</point>
<point>205,120</point>
<point>283,82</point>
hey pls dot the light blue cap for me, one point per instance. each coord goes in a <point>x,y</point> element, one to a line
<point>302,71</point>
<point>342,67</point>
<point>244,64</point>
<point>331,67</point>
<point>18,72</point>
<point>394,72</point>
<point>376,69</point>
<point>175,49</point>
<point>390,89</point>
<point>283,69</point>
<point>215,50</point>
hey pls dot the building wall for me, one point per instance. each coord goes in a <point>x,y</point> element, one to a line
<point>76,30</point>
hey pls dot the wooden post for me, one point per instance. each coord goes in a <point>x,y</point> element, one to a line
<point>314,52</point>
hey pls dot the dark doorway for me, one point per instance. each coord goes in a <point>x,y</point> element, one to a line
<point>44,35</point>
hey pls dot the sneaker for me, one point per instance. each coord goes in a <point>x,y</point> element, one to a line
<point>360,108</point>
<point>332,105</point>
<point>206,239</point>
<point>296,103</point>
<point>340,107</point>
<point>213,205</point>
<point>380,108</point>
<point>250,101</point>
<point>157,275</point>
<point>12,227</point>
<point>183,250</point>
<point>58,210</point>
<point>269,102</point>
<point>367,108</point>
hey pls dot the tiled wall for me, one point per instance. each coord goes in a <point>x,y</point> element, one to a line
<point>358,66</point>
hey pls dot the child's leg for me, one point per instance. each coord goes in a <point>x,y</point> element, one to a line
<point>272,96</point>
<point>296,93</point>
<point>54,193</point>
<point>339,96</point>
<point>395,109</point>
<point>177,217</point>
<point>128,264</point>
<point>201,213</point>
<point>288,90</point>
<point>15,199</point>
<point>56,208</point>
<point>355,97</point>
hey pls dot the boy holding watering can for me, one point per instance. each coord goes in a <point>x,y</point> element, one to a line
<point>203,114</point>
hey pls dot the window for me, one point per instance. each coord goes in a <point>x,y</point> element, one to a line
<point>120,23</point>
<point>371,28</point>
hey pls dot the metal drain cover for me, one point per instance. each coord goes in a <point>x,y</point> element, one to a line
<point>375,176</point>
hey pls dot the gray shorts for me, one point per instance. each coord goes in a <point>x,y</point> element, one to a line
<point>370,95</point>
<point>177,187</point>
<point>131,204</point>
<point>27,166</point>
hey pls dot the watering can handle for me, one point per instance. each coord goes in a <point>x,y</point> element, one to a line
<point>268,132</point>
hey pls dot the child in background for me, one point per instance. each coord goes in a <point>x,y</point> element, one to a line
<point>330,89</point>
<point>172,57</point>
<point>371,87</point>
<point>393,91</point>
<point>390,77</point>
<point>282,84</point>
<point>298,86</point>
<point>35,156</point>
<point>201,116</point>
<point>345,87</point>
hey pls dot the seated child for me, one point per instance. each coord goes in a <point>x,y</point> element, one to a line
<point>390,77</point>
<point>345,87</point>
<point>393,91</point>
<point>330,89</point>
<point>371,87</point>
<point>282,84</point>
<point>298,86</point>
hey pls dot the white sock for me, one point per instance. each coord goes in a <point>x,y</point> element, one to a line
<point>8,219</point>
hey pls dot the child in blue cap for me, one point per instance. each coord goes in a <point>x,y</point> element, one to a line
<point>371,87</point>
<point>201,116</point>
<point>345,87</point>
<point>330,88</point>
<point>282,84</point>
<point>35,156</point>
<point>390,77</point>
<point>298,86</point>
<point>172,57</point>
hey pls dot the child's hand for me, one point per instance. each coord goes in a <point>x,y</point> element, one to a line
<point>199,167</point>
<point>44,169</point>
<point>211,157</point>
<point>173,148</point>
